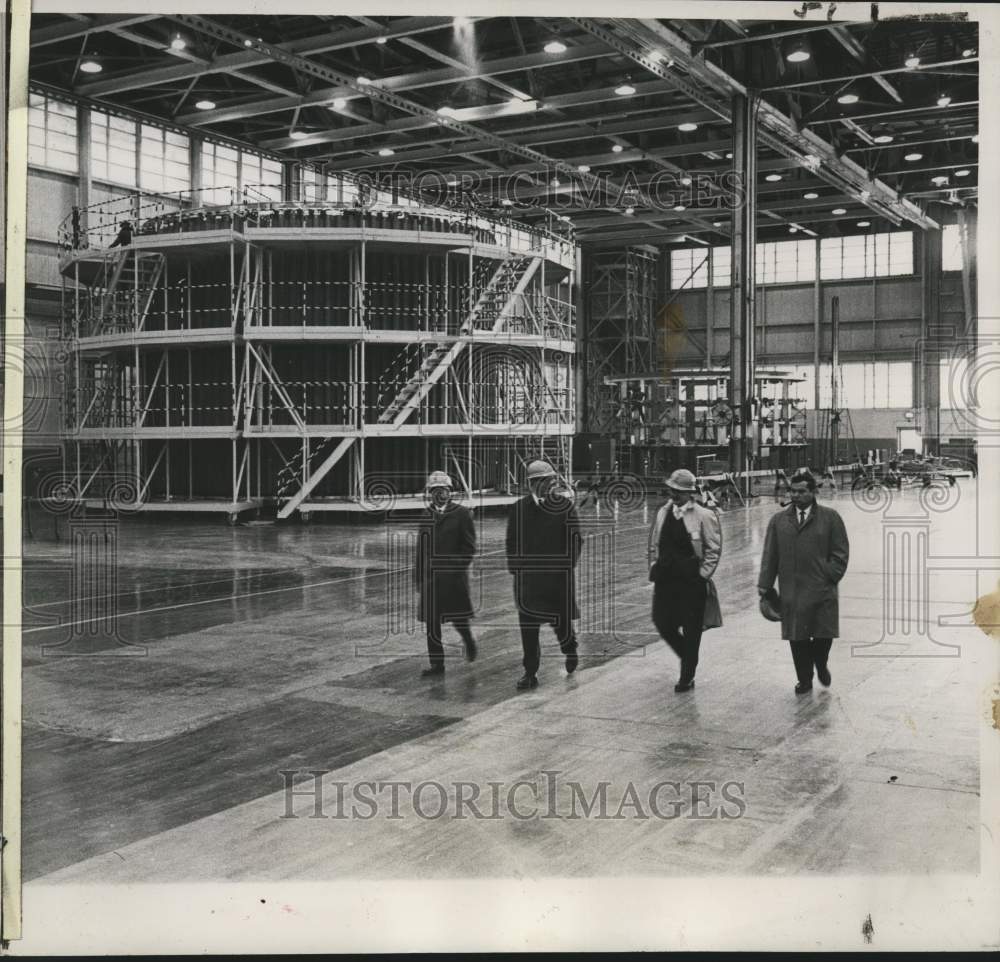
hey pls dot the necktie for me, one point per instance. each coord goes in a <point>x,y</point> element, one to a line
<point>802,518</point>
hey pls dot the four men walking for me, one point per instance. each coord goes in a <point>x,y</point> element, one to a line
<point>805,549</point>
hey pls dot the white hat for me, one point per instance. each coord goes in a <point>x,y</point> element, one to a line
<point>438,479</point>
<point>682,480</point>
<point>540,469</point>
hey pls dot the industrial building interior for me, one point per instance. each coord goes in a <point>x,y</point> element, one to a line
<point>360,249</point>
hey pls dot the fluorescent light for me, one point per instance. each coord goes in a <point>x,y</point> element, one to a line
<point>386,152</point>
<point>812,195</point>
<point>914,157</point>
<point>686,181</point>
<point>625,90</point>
<point>205,105</point>
<point>716,223</point>
<point>629,210</point>
<point>178,43</point>
<point>838,211</point>
<point>964,172</point>
<point>912,61</point>
<point>679,207</point>
<point>90,65</point>
<point>864,223</point>
<point>298,135</point>
<point>883,139</point>
<point>940,180</point>
<point>339,103</point>
<point>847,99</point>
<point>617,149</point>
<point>729,156</point>
<point>687,127</point>
<point>381,40</point>
<point>773,178</point>
<point>943,100</point>
<point>583,168</point>
<point>555,46</point>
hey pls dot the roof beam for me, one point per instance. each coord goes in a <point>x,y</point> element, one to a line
<point>81,28</point>
<point>404,82</point>
<point>712,87</point>
<point>853,47</point>
<point>875,75</point>
<point>245,59</point>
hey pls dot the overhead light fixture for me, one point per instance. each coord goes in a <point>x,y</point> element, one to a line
<point>729,156</point>
<point>556,182</point>
<point>812,195</point>
<point>797,52</point>
<point>363,81</point>
<point>381,40</point>
<point>940,180</point>
<point>964,172</point>
<point>617,148</point>
<point>205,105</point>
<point>793,229</point>
<point>968,52</point>
<point>507,202</point>
<point>773,178</point>
<point>864,223</point>
<point>912,61</point>
<point>248,42</point>
<point>943,100</point>
<point>339,103</point>
<point>625,90</point>
<point>914,157</point>
<point>583,168</point>
<point>679,207</point>
<point>91,65</point>
<point>686,181</point>
<point>847,99</point>
<point>687,127</point>
<point>555,46</point>
<point>716,223</point>
<point>838,211</point>
<point>386,152</point>
<point>446,111</point>
<point>883,139</point>
<point>178,42</point>
<point>811,161</point>
<point>298,135</point>
<point>629,210</point>
<point>975,138</point>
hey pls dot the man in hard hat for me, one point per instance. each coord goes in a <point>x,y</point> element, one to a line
<point>445,547</point>
<point>807,550</point>
<point>685,545</point>
<point>543,547</point>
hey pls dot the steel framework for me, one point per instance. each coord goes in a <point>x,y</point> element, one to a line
<point>621,299</point>
<point>314,356</point>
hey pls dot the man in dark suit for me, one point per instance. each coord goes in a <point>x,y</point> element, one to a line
<point>807,550</point>
<point>445,547</point>
<point>543,548</point>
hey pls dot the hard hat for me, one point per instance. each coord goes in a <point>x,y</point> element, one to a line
<point>438,479</point>
<point>540,469</point>
<point>770,605</point>
<point>682,480</point>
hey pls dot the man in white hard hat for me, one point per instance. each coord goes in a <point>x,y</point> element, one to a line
<point>445,548</point>
<point>543,547</point>
<point>685,545</point>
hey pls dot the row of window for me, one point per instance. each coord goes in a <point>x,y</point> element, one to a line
<point>789,262</point>
<point>143,156</point>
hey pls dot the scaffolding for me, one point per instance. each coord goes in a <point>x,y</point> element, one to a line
<point>305,355</point>
<point>621,298</point>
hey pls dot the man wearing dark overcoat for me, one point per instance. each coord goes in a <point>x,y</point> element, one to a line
<point>807,550</point>
<point>446,544</point>
<point>543,548</point>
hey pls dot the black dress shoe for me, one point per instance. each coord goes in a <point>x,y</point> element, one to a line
<point>471,650</point>
<point>801,689</point>
<point>432,672</point>
<point>684,685</point>
<point>527,681</point>
<point>572,660</point>
<point>823,674</point>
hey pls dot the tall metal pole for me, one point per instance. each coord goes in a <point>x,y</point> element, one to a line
<point>834,371</point>
<point>742,322</point>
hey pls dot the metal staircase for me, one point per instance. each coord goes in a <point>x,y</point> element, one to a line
<point>127,280</point>
<point>489,313</point>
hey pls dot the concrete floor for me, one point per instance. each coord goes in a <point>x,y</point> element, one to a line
<point>242,652</point>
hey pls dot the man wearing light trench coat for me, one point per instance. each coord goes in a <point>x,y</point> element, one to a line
<point>685,545</point>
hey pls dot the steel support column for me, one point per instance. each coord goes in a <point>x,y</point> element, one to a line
<point>935,340</point>
<point>743,304</point>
